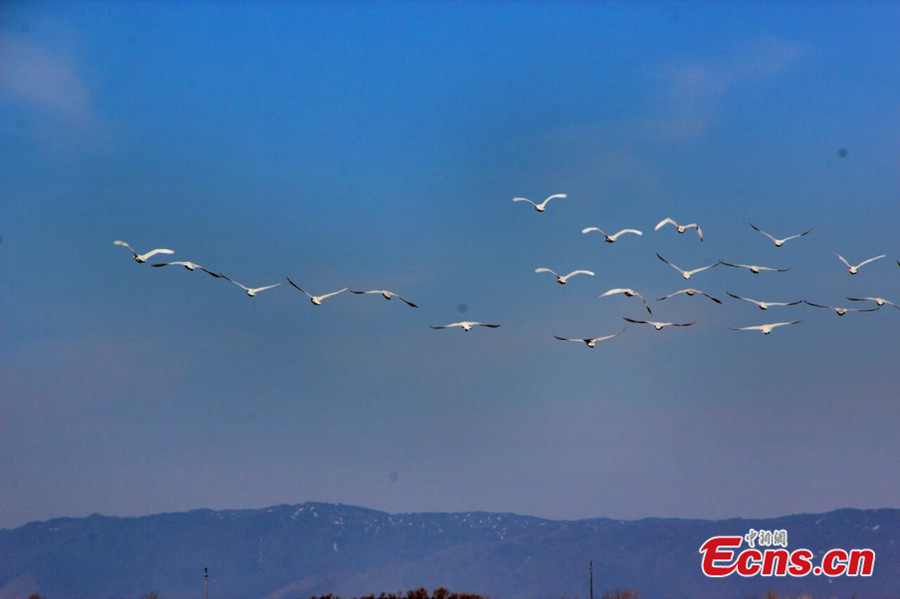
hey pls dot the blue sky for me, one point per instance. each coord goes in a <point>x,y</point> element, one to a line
<point>379,145</point>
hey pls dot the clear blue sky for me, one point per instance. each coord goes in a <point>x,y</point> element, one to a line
<point>379,145</point>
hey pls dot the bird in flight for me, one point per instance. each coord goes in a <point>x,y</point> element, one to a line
<point>778,242</point>
<point>141,258</point>
<point>466,325</point>
<point>691,293</point>
<point>191,266</point>
<point>841,311</point>
<point>854,269</point>
<point>753,267</point>
<point>879,301</point>
<point>659,325</point>
<point>685,274</point>
<point>610,238</point>
<point>315,300</point>
<point>679,228</point>
<point>562,279</point>
<point>251,291</point>
<point>591,341</point>
<point>386,295</point>
<point>543,205</point>
<point>627,293</point>
<point>765,329</point>
<point>763,305</point>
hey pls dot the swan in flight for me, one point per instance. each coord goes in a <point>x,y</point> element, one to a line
<point>191,266</point>
<point>778,242</point>
<point>841,311</point>
<point>754,268</point>
<point>386,295</point>
<point>562,279</point>
<point>627,293</point>
<point>685,274</point>
<point>141,258</point>
<point>543,205</point>
<point>679,228</point>
<point>765,329</point>
<point>466,325</point>
<point>610,238</point>
<point>315,300</point>
<point>690,293</point>
<point>592,341</point>
<point>879,301</point>
<point>763,305</point>
<point>852,269</point>
<point>659,325</point>
<point>251,291</point>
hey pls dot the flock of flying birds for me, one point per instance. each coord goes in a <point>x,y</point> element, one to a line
<point>765,328</point>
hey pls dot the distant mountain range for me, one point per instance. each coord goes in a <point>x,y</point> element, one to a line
<point>291,552</point>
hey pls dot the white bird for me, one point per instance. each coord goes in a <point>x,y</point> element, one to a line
<point>879,301</point>
<point>763,305</point>
<point>689,292</point>
<point>141,258</point>
<point>562,279</point>
<point>753,267</point>
<point>386,295</point>
<point>190,266</point>
<point>315,300</point>
<point>778,242</point>
<point>679,228</point>
<point>841,311</point>
<point>765,329</point>
<point>685,274</point>
<point>854,269</point>
<point>610,238</point>
<point>659,325</point>
<point>251,291</point>
<point>627,293</point>
<point>543,205</point>
<point>466,325</point>
<point>591,341</point>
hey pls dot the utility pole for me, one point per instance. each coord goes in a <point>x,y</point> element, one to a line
<point>206,583</point>
<point>591,568</point>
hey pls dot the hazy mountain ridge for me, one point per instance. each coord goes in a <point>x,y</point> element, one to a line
<point>286,552</point>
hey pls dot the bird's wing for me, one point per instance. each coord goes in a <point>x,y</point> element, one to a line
<point>321,297</point>
<point>158,264</point>
<point>669,263</point>
<point>440,327</point>
<point>406,301</point>
<point>524,200</point>
<point>681,324</point>
<point>244,287</point>
<point>589,230</point>
<point>637,321</point>
<point>258,289</point>
<point>579,272</point>
<point>699,232</point>
<point>733,265</point>
<point>797,235</point>
<point>664,222</point>
<point>611,292</point>
<point>623,231</point>
<point>298,288</point>
<point>755,228</point>
<point>605,337</point>
<point>481,324</point>
<point>870,260</point>
<point>696,270</point>
<point>117,242</point>
<point>842,259</point>
<point>715,299</point>
<point>818,305</point>
<point>361,292</point>
<point>158,251</point>
<point>741,298</point>
<point>217,275</point>
<point>567,339</point>
<point>552,197</point>
<point>542,269</point>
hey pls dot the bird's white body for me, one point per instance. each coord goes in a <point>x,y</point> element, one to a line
<point>466,325</point>
<point>686,274</point>
<point>315,300</point>
<point>543,205</point>
<point>778,242</point>
<point>679,228</point>
<point>765,329</point>
<point>590,341</point>
<point>386,295</point>
<point>689,292</point>
<point>563,279</point>
<point>762,305</point>
<point>610,238</point>
<point>141,258</point>
<point>853,269</point>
